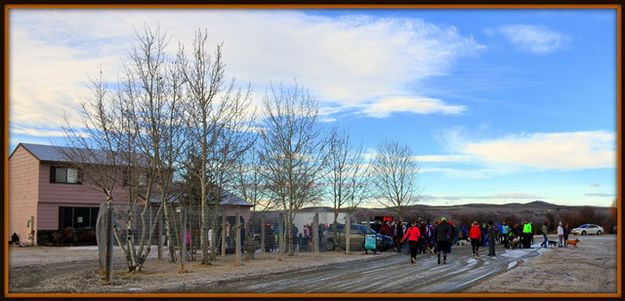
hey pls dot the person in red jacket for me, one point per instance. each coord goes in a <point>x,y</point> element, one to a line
<point>412,234</point>
<point>475,234</point>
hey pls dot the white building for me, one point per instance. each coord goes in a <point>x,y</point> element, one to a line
<point>306,215</point>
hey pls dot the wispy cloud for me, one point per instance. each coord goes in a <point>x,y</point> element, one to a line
<point>417,105</point>
<point>351,63</point>
<point>602,195</point>
<point>535,39</point>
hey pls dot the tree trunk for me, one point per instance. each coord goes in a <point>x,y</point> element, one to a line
<point>348,227</point>
<point>315,233</point>
<point>109,245</point>
<point>100,237</point>
<point>204,232</point>
<point>168,232</point>
<point>237,240</point>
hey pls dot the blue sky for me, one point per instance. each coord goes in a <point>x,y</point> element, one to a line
<point>498,106</point>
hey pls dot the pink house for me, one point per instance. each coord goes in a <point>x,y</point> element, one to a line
<point>46,194</point>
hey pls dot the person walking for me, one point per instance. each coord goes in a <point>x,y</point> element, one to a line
<point>399,235</point>
<point>543,231</point>
<point>505,229</point>
<point>527,235</point>
<point>412,234</point>
<point>567,230</point>
<point>422,230</point>
<point>442,233</point>
<point>475,234</point>
<point>560,235</point>
<point>492,232</point>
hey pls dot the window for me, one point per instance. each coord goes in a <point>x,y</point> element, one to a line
<point>78,217</point>
<point>65,175</point>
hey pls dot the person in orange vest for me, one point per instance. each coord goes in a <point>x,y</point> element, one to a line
<point>412,234</point>
<point>475,235</point>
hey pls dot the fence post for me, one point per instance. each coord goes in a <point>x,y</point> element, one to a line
<point>348,228</point>
<point>183,246</point>
<point>262,234</point>
<point>315,233</point>
<point>223,234</point>
<point>237,237</point>
<point>281,236</point>
<point>159,233</point>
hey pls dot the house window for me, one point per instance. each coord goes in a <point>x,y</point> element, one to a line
<point>78,217</point>
<point>64,175</point>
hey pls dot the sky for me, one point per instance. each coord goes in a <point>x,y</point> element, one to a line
<point>498,106</point>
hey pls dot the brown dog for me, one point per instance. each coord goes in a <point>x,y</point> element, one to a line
<point>572,242</point>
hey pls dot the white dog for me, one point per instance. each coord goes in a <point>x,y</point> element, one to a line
<point>464,243</point>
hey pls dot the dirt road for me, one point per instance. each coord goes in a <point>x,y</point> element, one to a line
<point>73,270</point>
<point>388,274</point>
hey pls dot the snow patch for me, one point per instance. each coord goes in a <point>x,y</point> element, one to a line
<point>512,264</point>
<point>517,253</point>
<point>472,261</point>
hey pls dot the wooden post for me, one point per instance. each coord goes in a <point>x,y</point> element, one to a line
<point>237,240</point>
<point>315,233</point>
<point>183,246</point>
<point>348,227</point>
<point>108,279</point>
<point>262,234</point>
<point>281,236</point>
<point>223,234</point>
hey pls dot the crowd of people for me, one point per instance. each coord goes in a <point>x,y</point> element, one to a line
<point>421,236</point>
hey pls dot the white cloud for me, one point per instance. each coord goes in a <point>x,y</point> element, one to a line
<point>534,38</point>
<point>543,151</point>
<point>602,195</point>
<point>442,158</point>
<point>417,105</point>
<point>564,151</point>
<point>350,63</point>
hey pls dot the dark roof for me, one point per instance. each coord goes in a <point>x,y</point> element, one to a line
<point>65,154</point>
<point>227,199</point>
<point>47,152</point>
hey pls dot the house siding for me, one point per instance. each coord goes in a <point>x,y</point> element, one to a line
<point>55,195</point>
<point>23,192</point>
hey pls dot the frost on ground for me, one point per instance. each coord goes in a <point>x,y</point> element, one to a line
<point>589,268</point>
<point>49,269</point>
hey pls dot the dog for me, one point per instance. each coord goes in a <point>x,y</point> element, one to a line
<point>553,243</point>
<point>429,248</point>
<point>463,243</point>
<point>573,242</point>
<point>516,243</point>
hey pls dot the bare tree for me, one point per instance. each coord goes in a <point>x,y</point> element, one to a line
<point>293,152</point>
<point>154,89</point>
<point>347,176</point>
<point>394,176</point>
<point>216,112</point>
<point>93,153</point>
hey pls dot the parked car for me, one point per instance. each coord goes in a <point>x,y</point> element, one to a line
<point>357,238</point>
<point>588,229</point>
